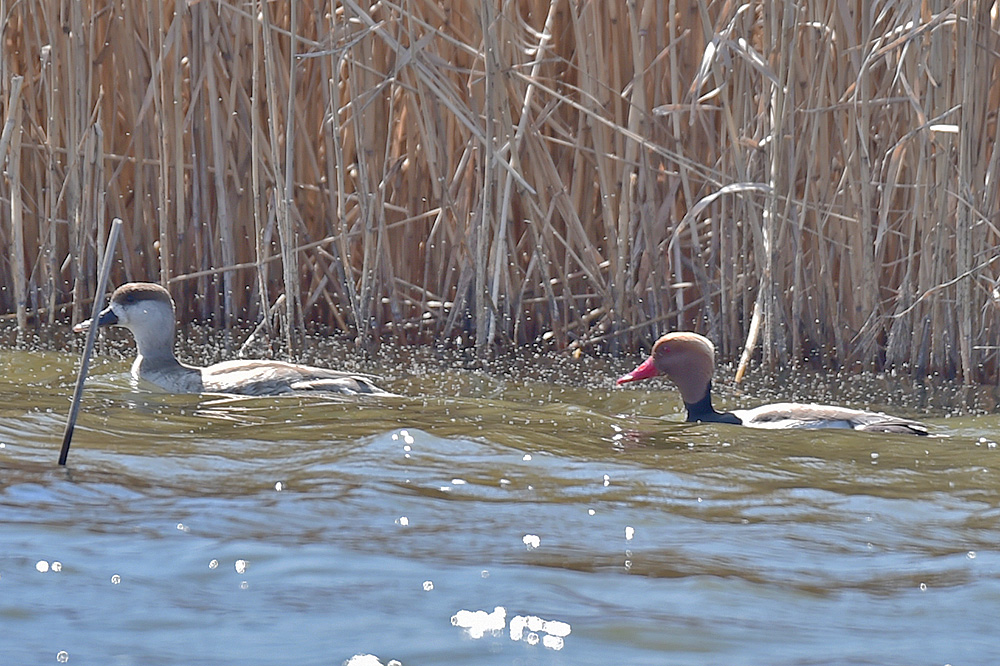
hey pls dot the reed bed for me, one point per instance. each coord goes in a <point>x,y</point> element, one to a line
<point>800,181</point>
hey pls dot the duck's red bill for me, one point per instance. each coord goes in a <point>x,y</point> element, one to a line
<point>646,370</point>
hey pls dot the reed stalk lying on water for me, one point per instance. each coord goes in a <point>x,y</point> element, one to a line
<point>540,170</point>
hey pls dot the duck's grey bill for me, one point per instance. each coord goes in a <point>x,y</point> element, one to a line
<point>106,318</point>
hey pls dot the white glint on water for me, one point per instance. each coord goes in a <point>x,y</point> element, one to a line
<point>428,585</point>
<point>42,566</point>
<point>629,533</point>
<point>529,629</point>
<point>365,660</point>
<point>241,566</point>
<point>402,521</point>
<point>552,642</point>
<point>479,623</point>
<point>531,541</point>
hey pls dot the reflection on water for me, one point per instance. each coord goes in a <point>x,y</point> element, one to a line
<point>531,514</point>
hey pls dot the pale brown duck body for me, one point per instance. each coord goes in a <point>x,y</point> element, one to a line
<point>147,310</point>
<point>688,359</point>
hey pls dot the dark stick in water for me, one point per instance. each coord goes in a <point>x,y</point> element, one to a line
<point>102,285</point>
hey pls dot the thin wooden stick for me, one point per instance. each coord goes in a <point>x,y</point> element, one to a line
<point>102,284</point>
<point>18,267</point>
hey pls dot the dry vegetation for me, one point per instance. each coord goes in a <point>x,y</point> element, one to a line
<point>802,180</point>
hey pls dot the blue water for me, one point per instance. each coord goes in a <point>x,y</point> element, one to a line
<point>211,530</point>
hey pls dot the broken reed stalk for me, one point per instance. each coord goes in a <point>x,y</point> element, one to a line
<point>88,348</point>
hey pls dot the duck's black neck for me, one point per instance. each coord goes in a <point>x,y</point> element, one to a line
<point>702,410</point>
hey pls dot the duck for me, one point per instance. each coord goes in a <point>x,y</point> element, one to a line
<point>147,311</point>
<point>688,359</point>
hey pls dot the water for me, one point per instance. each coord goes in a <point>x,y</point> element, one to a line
<point>540,516</point>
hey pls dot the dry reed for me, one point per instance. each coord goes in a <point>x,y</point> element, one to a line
<point>809,180</point>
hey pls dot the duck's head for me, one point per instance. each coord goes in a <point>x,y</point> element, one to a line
<point>688,359</point>
<point>145,309</point>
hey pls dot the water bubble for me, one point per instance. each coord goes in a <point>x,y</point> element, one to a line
<point>241,566</point>
<point>607,480</point>
<point>971,554</point>
<point>62,656</point>
<point>591,512</point>
<point>403,521</point>
<point>485,573</point>
<point>923,587</point>
<point>214,564</point>
<point>526,457</point>
<point>279,486</point>
<point>458,482</point>
<point>629,533</point>
<point>531,541</point>
<point>116,579</point>
<point>244,585</point>
<point>42,566</point>
<point>428,585</point>
<point>183,528</point>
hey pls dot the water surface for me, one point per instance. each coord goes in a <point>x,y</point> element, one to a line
<point>587,523</point>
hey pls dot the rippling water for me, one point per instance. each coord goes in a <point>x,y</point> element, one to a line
<point>533,516</point>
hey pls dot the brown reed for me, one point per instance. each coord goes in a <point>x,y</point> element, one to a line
<point>800,181</point>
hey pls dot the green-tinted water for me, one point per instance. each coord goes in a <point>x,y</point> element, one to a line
<point>209,530</point>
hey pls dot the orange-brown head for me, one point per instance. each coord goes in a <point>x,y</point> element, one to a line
<point>688,359</point>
